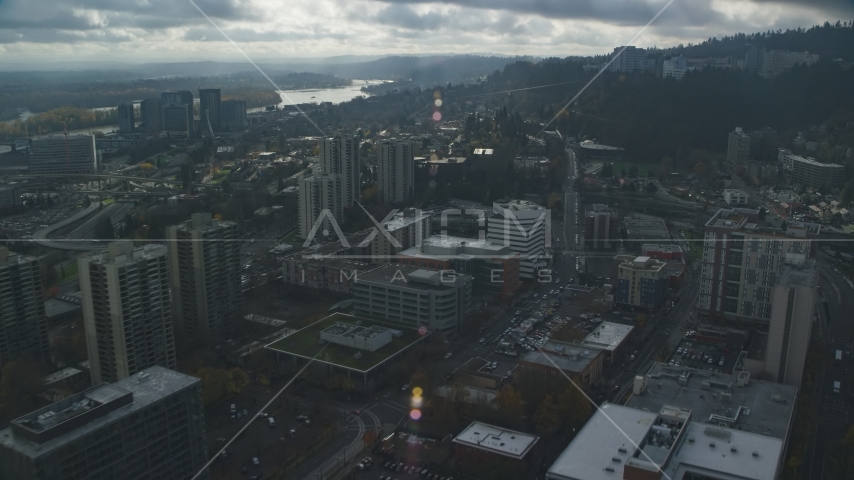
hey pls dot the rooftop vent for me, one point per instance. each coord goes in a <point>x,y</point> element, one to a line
<point>712,444</point>
<point>756,454</point>
<point>622,450</point>
<point>616,459</point>
<point>609,469</point>
<point>691,440</point>
<point>733,449</point>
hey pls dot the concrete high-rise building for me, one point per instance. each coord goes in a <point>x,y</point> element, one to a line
<point>413,297</point>
<point>320,195</point>
<point>127,313</point>
<point>233,114</point>
<point>149,425</point>
<point>632,59</point>
<point>178,120</point>
<point>151,115</point>
<point>523,226</point>
<point>601,228</point>
<point>181,97</point>
<point>809,172</point>
<point>738,147</point>
<point>23,326</point>
<point>742,262</point>
<point>57,154</point>
<point>675,67</point>
<point>408,229</point>
<point>395,172</point>
<point>204,273</point>
<point>127,122</point>
<point>339,155</point>
<point>790,327</point>
<point>641,282</point>
<point>210,108</point>
<point>495,268</point>
<point>775,62</point>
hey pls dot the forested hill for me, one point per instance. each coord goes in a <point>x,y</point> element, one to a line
<point>829,41</point>
<point>421,69</point>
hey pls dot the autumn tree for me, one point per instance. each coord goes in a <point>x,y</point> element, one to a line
<point>548,416</point>
<point>21,381</point>
<point>509,403</point>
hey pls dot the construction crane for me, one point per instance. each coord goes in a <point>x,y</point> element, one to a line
<point>208,118</point>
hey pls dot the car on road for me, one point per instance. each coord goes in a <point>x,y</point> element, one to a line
<point>404,388</point>
<point>356,412</point>
<point>448,355</point>
<point>255,461</point>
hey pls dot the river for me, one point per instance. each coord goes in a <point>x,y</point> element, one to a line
<point>318,95</point>
<point>289,97</point>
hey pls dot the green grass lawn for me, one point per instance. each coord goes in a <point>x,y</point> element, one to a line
<point>695,245</point>
<point>306,343</point>
<point>643,168</point>
<point>66,273</point>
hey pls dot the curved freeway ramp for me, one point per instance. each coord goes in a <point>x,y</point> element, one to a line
<point>40,237</point>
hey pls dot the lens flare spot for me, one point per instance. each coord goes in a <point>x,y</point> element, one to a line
<point>438,102</point>
<point>417,402</point>
<point>417,392</point>
<point>437,94</point>
<point>415,414</point>
<point>437,116</point>
<point>422,330</point>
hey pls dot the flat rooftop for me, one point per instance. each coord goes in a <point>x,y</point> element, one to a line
<point>54,308</point>
<point>405,276</point>
<point>599,443</point>
<point>803,275</point>
<point>401,220</point>
<point>644,229</point>
<point>732,217</point>
<point>489,438</point>
<point>657,247</point>
<point>720,461</point>
<point>143,389</point>
<point>766,407</point>
<point>607,336</point>
<point>306,343</point>
<point>573,360</point>
<point>445,247</point>
<point>587,144</point>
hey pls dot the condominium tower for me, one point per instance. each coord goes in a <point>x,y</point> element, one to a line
<point>126,118</point>
<point>522,225</point>
<point>210,108</point>
<point>319,196</point>
<point>395,172</point>
<point>204,273</point>
<point>151,115</point>
<point>742,262</point>
<point>738,147</point>
<point>127,315</point>
<point>339,155</point>
<point>233,114</point>
<point>58,154</point>
<point>23,326</point>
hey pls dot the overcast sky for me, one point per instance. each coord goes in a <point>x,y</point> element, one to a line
<point>173,30</point>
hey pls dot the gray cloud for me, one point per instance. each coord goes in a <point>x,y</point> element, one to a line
<point>155,14</point>
<point>618,12</point>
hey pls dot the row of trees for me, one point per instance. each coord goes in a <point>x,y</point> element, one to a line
<point>57,119</point>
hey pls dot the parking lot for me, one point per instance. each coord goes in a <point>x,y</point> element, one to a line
<point>379,468</point>
<point>692,353</point>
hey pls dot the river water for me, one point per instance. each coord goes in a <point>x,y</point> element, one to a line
<point>289,97</point>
